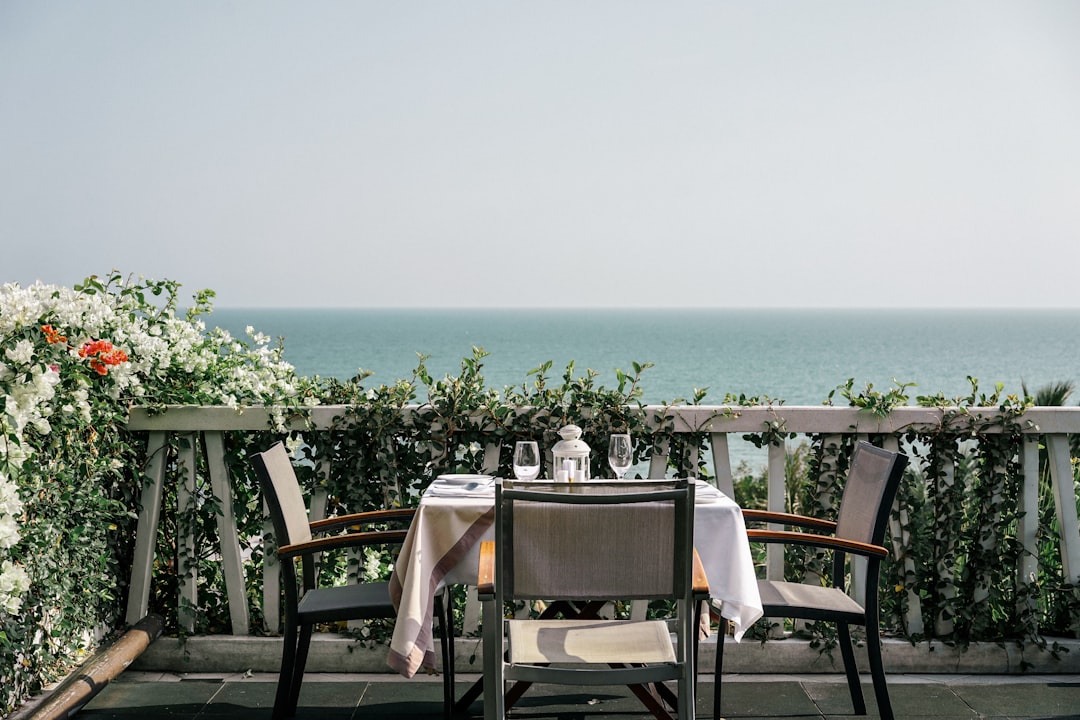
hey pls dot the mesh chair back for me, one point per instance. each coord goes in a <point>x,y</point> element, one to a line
<point>282,492</point>
<point>873,477</point>
<point>594,540</point>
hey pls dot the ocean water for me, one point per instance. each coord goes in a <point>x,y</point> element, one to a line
<point>797,356</point>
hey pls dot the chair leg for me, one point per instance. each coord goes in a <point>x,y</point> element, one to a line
<point>847,651</point>
<point>687,708</point>
<point>444,608</point>
<point>700,608</point>
<point>721,633</point>
<point>877,671</point>
<point>285,676</point>
<point>302,646</point>
<point>494,700</point>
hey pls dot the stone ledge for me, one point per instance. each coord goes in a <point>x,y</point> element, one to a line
<point>333,653</point>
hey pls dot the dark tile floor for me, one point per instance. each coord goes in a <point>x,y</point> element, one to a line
<point>372,697</point>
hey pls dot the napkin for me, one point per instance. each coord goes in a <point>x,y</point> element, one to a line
<point>706,493</point>
<point>481,487</point>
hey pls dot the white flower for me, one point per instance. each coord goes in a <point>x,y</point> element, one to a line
<point>9,531</point>
<point>10,503</point>
<point>14,582</point>
<point>23,352</point>
<point>293,443</point>
<point>372,565</point>
<point>16,454</point>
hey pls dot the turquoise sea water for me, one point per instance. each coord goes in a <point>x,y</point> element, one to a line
<point>798,356</point>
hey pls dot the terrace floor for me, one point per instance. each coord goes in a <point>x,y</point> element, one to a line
<point>375,696</point>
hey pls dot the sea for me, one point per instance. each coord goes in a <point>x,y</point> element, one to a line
<point>798,356</point>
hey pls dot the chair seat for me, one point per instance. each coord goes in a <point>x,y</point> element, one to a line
<point>590,641</point>
<point>346,602</point>
<point>810,602</point>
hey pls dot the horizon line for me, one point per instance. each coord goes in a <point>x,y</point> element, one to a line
<point>695,308</point>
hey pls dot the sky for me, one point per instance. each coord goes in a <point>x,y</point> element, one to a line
<point>608,153</point>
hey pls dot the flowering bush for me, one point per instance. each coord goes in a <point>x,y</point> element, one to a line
<point>72,360</point>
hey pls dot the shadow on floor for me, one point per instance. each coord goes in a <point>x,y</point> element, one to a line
<point>366,697</point>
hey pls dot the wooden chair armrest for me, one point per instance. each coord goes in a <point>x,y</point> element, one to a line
<point>821,541</point>
<point>789,519</point>
<point>363,518</point>
<point>485,583</point>
<point>332,542</point>
<point>700,582</point>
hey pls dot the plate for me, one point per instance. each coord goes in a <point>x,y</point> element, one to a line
<point>462,479</point>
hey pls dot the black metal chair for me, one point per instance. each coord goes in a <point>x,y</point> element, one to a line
<point>307,605</point>
<point>586,543</point>
<point>873,478</point>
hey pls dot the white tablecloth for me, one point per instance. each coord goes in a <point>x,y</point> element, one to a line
<point>443,547</point>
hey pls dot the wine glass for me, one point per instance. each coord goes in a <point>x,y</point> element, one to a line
<point>526,460</point>
<point>620,454</point>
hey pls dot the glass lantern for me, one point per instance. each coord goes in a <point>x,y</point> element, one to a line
<point>570,456</point>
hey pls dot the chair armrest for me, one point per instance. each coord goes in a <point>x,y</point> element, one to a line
<point>789,519</point>
<point>485,582</point>
<point>333,542</point>
<point>364,518</point>
<point>700,582</point>
<point>821,541</point>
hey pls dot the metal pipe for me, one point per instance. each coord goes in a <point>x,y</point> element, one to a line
<point>92,676</point>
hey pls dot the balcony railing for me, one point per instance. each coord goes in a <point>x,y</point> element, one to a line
<point>204,428</point>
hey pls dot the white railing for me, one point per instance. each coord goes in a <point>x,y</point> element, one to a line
<point>204,428</point>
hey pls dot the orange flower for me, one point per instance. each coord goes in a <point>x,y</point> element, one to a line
<point>102,354</point>
<point>52,335</point>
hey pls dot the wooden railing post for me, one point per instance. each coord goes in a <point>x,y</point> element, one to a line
<point>722,463</point>
<point>901,539</point>
<point>1061,476</point>
<point>228,538</point>
<point>187,566</point>
<point>1028,530</point>
<point>777,473</point>
<point>271,582</point>
<point>946,544</point>
<point>777,501</point>
<point>142,565</point>
<point>658,461</point>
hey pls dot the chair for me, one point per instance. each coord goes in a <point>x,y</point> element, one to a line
<point>361,601</point>
<point>873,478</point>
<point>588,543</point>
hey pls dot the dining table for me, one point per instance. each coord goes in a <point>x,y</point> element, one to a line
<point>442,548</point>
